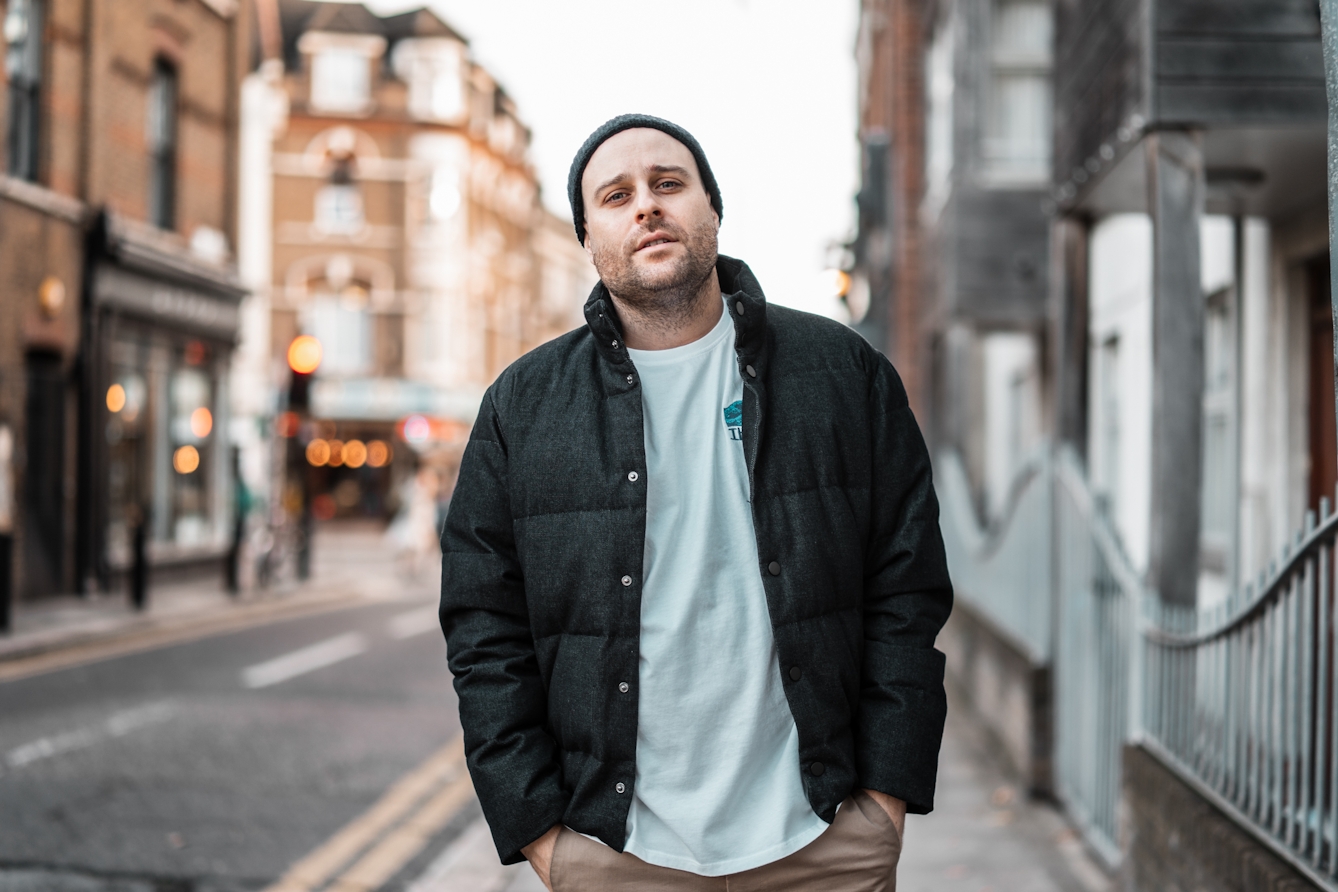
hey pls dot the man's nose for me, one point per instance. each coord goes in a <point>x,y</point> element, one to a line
<point>648,205</point>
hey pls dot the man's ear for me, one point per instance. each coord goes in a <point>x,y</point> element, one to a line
<point>590,252</point>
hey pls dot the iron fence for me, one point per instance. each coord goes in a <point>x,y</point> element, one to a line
<point>1240,699</point>
<point>1098,594</point>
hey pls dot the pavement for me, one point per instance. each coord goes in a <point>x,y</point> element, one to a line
<point>982,837</point>
<point>306,739</point>
<point>352,564</point>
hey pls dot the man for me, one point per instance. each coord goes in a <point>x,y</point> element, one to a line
<point>692,572</point>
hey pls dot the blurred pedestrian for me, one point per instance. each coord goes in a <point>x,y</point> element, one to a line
<point>414,531</point>
<point>692,571</point>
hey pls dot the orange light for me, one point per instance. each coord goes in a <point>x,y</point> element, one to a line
<point>186,459</point>
<point>287,424</point>
<point>201,422</point>
<point>355,453</point>
<point>378,453</point>
<point>115,398</point>
<point>336,453</point>
<point>318,453</point>
<point>304,354</point>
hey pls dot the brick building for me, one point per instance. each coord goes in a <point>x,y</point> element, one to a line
<point>118,298</point>
<point>391,212</point>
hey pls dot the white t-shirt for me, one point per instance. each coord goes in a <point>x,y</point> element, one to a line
<point>718,787</point>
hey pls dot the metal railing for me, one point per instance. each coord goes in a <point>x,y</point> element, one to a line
<point>1240,699</point>
<point>1098,595</point>
<point>1002,571</point>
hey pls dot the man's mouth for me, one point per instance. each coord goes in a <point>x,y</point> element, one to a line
<point>655,242</point>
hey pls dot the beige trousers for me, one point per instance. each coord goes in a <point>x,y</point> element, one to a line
<point>857,853</point>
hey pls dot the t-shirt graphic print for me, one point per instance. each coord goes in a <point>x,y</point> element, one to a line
<point>734,420</point>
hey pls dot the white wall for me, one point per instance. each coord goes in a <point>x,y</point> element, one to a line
<point>1120,378</point>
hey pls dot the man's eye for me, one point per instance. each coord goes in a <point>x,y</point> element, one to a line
<point>670,184</point>
<point>614,196</point>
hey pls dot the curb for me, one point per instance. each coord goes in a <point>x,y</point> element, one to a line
<point>89,645</point>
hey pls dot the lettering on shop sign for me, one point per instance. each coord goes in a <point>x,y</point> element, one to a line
<point>142,295</point>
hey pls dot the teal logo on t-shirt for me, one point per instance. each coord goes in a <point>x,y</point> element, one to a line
<point>734,420</point>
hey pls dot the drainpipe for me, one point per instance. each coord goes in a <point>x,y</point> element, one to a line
<point>1328,17</point>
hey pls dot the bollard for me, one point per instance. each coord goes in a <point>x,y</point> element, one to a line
<point>139,568</point>
<point>304,543</point>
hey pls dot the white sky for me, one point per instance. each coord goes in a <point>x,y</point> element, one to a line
<point>766,86</point>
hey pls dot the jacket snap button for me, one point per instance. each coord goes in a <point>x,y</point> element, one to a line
<point>773,568</point>
<point>631,378</point>
<point>620,787</point>
<point>738,307</point>
<point>615,345</point>
<point>817,769</point>
<point>624,687</point>
<point>627,580</point>
<point>796,673</point>
<point>633,476</point>
<point>752,372</point>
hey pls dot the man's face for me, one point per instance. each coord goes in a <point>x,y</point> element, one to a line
<point>650,228</point>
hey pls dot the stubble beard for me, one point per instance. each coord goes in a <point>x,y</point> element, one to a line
<point>664,298</point>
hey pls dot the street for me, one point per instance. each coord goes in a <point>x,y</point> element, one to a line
<point>216,764</point>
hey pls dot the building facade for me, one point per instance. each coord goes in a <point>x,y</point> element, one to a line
<point>1126,365</point>
<point>120,307</point>
<point>393,214</point>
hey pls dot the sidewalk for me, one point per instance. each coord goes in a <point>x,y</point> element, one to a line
<point>981,838</point>
<point>351,563</point>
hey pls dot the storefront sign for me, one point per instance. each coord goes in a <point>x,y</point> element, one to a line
<point>168,303</point>
<point>389,399</point>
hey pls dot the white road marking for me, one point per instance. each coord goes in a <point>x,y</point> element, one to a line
<point>118,724</point>
<point>308,659</point>
<point>414,622</point>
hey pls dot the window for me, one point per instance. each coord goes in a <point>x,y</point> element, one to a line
<point>343,325</point>
<point>1017,126</point>
<point>339,209</point>
<point>341,80</point>
<point>162,140</point>
<point>432,68</point>
<point>939,85</point>
<point>1108,409</point>
<point>1219,470</point>
<point>23,68</point>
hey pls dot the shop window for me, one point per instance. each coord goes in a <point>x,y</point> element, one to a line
<point>162,422</point>
<point>162,140</point>
<point>340,80</point>
<point>23,70</point>
<point>1017,125</point>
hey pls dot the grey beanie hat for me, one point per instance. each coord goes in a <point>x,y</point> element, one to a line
<point>618,125</point>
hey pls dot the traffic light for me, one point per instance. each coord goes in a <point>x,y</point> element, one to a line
<point>304,357</point>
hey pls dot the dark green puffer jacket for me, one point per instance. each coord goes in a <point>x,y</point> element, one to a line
<point>542,555</point>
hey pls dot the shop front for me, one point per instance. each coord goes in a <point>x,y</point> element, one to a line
<point>163,329</point>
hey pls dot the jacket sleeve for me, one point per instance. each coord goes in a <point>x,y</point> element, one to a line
<point>512,758</point>
<point>907,598</point>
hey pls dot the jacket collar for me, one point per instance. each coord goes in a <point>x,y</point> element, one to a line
<point>744,302</point>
